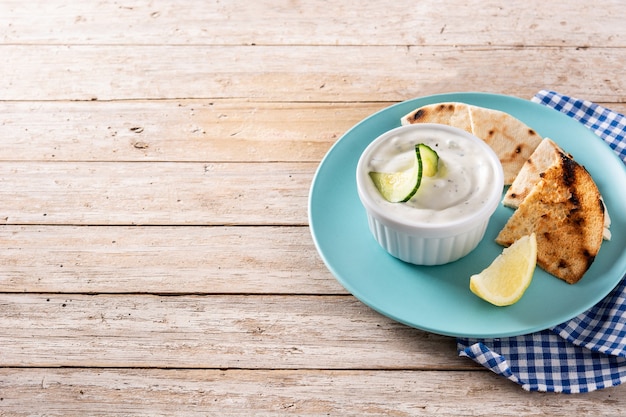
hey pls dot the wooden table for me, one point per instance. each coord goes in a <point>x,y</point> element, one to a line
<point>154,174</point>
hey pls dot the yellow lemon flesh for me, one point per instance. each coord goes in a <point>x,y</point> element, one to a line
<point>504,281</point>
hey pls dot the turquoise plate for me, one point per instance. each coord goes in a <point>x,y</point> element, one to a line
<point>437,298</point>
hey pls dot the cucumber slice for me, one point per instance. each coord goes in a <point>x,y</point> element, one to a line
<point>430,160</point>
<point>399,187</point>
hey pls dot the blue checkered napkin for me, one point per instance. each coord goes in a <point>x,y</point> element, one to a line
<point>587,352</point>
<point>607,124</point>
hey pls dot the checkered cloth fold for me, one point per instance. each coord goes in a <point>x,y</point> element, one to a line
<point>587,352</point>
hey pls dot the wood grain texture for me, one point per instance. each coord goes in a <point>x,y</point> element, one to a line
<point>302,72</point>
<point>162,260</point>
<point>218,331</point>
<point>310,22</point>
<point>160,193</point>
<point>145,392</point>
<point>175,130</point>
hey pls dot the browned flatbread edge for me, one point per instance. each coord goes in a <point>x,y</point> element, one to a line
<point>454,114</point>
<point>566,212</point>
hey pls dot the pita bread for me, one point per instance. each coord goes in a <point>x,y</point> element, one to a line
<point>566,212</point>
<point>451,114</point>
<point>512,140</point>
<point>545,155</point>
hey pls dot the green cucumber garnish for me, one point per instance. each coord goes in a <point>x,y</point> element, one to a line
<point>399,187</point>
<point>430,160</point>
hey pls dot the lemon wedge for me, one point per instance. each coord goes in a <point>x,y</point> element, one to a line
<point>399,187</point>
<point>504,281</point>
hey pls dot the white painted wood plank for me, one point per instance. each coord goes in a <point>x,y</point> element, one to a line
<point>162,260</point>
<point>191,393</point>
<point>175,130</point>
<point>218,331</point>
<point>313,22</point>
<point>302,72</point>
<point>159,193</point>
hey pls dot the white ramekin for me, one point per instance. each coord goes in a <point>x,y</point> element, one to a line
<point>419,242</point>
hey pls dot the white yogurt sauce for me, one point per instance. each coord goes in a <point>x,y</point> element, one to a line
<point>462,185</point>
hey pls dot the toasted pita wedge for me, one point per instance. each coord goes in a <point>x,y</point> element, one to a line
<point>512,140</point>
<point>545,155</point>
<point>566,212</point>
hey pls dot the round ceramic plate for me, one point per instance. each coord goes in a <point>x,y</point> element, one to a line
<point>437,298</point>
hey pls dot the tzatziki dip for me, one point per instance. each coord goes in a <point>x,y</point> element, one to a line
<point>463,184</point>
<point>446,218</point>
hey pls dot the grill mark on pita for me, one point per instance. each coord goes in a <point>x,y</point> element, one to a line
<point>419,114</point>
<point>514,154</point>
<point>569,170</point>
<point>588,257</point>
<point>569,179</point>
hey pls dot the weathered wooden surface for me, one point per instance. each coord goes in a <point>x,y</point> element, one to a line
<point>162,193</point>
<point>176,130</point>
<point>155,167</point>
<point>213,331</point>
<point>302,72</point>
<point>311,22</point>
<point>235,392</point>
<point>162,260</point>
